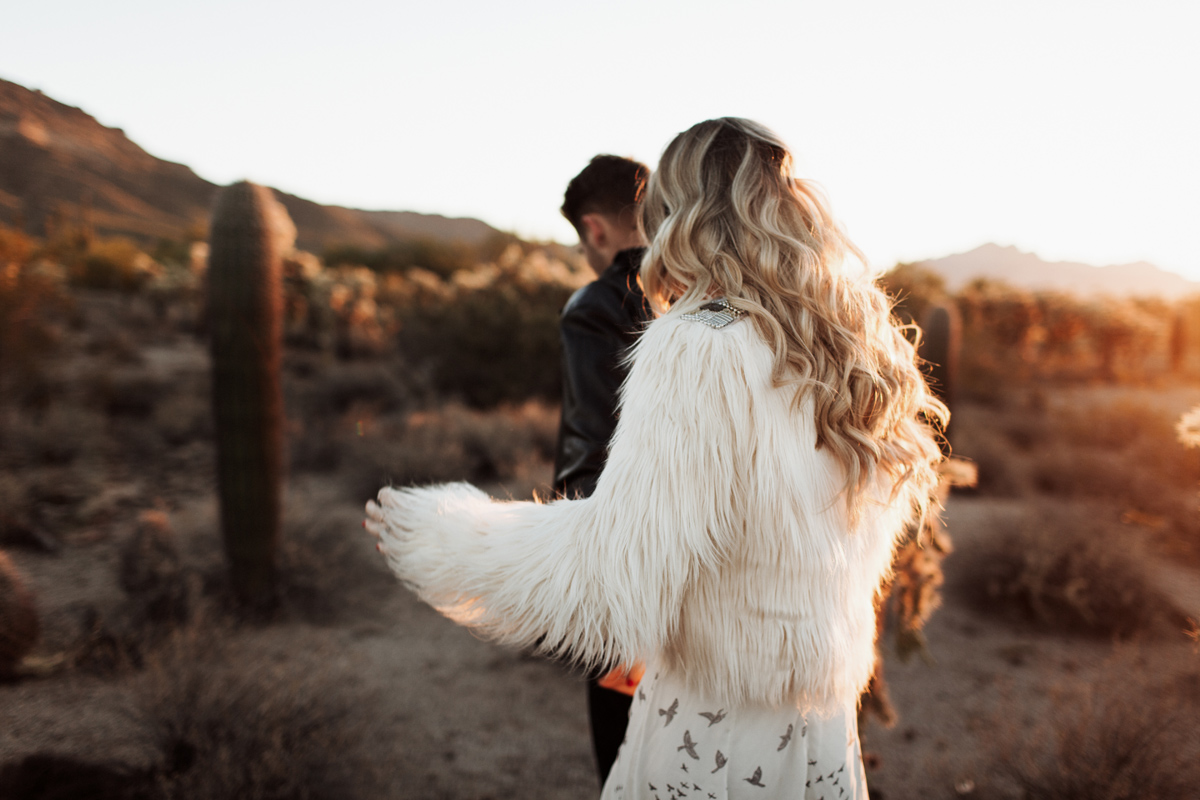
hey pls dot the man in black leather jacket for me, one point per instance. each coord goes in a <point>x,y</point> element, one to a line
<point>599,324</point>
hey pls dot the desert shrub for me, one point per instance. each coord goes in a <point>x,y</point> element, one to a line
<point>115,345</point>
<point>139,442</point>
<point>128,392</point>
<point>1026,431</point>
<point>330,403</point>
<point>31,300</point>
<point>116,263</point>
<point>1126,735</point>
<point>163,596</point>
<point>1066,567</point>
<point>328,570</point>
<point>1082,472</point>
<point>230,721</point>
<point>999,440</point>
<point>1014,335</point>
<point>489,335</point>
<point>19,624</point>
<point>440,257</point>
<point>381,387</point>
<point>1124,456</point>
<point>491,344</point>
<point>175,296</point>
<point>912,288</point>
<point>451,444</point>
<point>1115,425</point>
<point>151,573</point>
<point>59,435</point>
<point>185,416</point>
<point>1002,470</point>
<point>481,333</point>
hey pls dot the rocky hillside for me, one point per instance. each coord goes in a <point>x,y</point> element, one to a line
<point>57,161</point>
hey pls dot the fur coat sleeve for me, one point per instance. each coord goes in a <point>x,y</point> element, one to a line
<point>602,576</point>
<point>713,542</point>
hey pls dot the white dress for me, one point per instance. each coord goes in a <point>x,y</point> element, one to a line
<point>679,745</point>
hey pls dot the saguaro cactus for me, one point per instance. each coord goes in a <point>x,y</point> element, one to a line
<point>941,341</point>
<point>250,232</point>
<point>915,589</point>
<point>1178,341</point>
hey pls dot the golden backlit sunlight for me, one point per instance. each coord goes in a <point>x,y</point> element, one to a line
<point>264,265</point>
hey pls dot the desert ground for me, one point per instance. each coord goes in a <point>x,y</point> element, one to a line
<point>1058,658</point>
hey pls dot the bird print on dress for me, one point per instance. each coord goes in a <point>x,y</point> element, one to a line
<point>688,745</point>
<point>831,772</point>
<point>785,739</point>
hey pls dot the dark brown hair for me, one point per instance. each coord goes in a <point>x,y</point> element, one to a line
<point>607,185</point>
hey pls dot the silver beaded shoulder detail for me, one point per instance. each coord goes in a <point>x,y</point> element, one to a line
<point>715,313</point>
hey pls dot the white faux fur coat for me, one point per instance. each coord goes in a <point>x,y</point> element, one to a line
<point>715,545</point>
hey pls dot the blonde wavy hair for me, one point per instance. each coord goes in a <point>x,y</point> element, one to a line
<point>725,218</point>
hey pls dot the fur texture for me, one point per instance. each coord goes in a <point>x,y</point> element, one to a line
<point>716,544</point>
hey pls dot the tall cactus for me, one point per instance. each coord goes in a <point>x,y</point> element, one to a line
<point>914,592</point>
<point>250,232</point>
<point>941,341</point>
<point>1177,343</point>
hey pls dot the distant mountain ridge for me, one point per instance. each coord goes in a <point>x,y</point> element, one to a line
<point>1026,270</point>
<point>57,160</point>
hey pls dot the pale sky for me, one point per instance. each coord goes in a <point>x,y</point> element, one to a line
<point>1066,128</point>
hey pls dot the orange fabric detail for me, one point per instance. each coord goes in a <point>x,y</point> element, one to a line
<point>624,679</point>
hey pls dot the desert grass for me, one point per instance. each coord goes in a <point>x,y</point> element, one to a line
<point>1068,567</point>
<point>1122,455</point>
<point>1130,733</point>
<point>447,443</point>
<point>230,718</point>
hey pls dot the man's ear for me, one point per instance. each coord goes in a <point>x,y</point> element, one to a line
<point>595,230</point>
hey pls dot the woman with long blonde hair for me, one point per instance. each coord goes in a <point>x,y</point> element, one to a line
<point>773,444</point>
